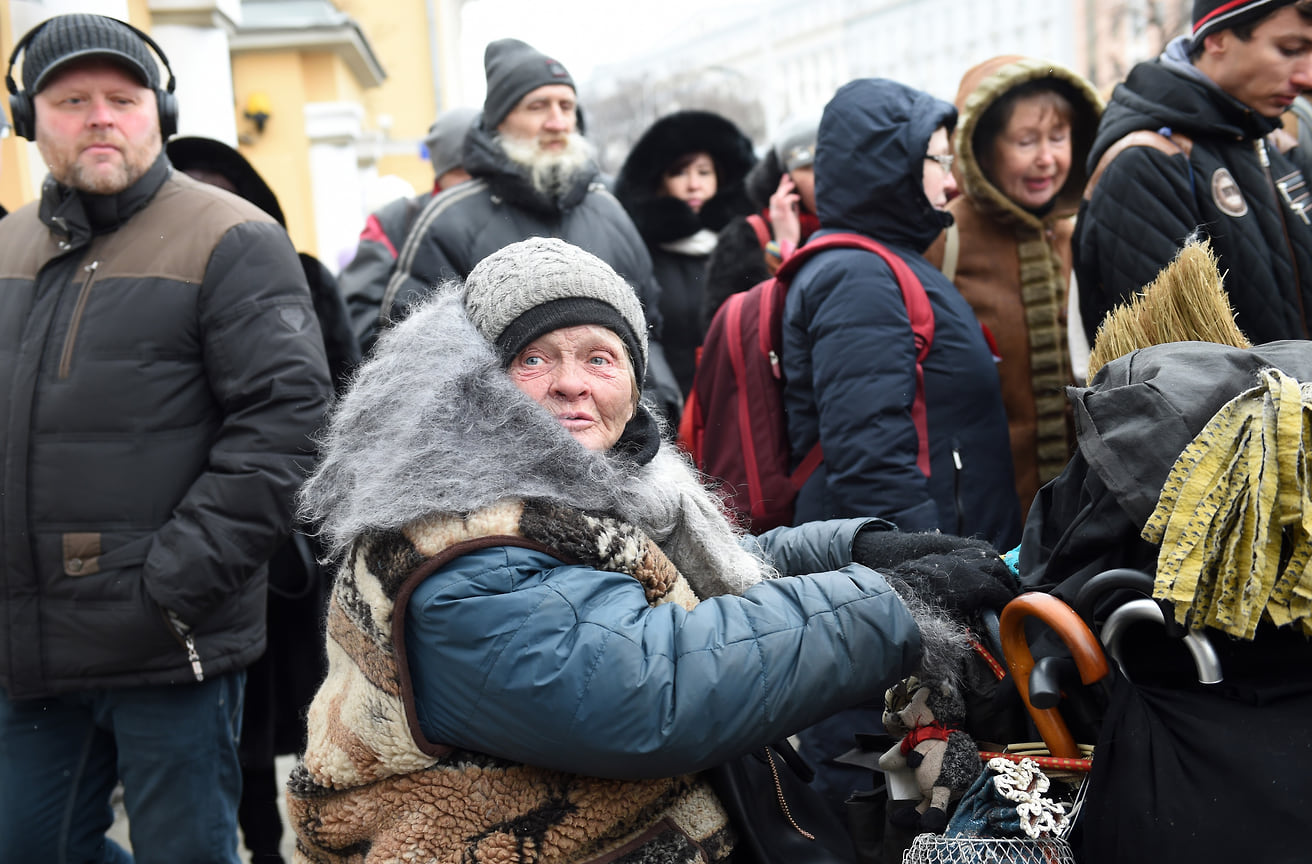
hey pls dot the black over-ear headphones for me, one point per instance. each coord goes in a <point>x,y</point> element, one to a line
<point>23,113</point>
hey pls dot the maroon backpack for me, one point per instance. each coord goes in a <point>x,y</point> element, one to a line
<point>733,423</point>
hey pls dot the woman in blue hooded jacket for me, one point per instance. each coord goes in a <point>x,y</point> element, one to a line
<point>883,169</point>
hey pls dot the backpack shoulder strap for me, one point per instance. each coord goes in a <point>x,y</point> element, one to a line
<point>762,230</point>
<point>951,251</point>
<point>919,311</point>
<point>1171,145</point>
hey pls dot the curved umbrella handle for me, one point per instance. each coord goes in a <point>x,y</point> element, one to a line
<point>1084,647</point>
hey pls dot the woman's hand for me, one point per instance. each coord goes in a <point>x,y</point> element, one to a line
<point>783,214</point>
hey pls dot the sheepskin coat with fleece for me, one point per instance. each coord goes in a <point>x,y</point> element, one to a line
<point>434,429</point>
<point>372,788</point>
<point>433,457</point>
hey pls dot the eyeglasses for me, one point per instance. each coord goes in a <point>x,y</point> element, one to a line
<point>944,160</point>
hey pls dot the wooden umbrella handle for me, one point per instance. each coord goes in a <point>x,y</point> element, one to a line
<point>1084,648</point>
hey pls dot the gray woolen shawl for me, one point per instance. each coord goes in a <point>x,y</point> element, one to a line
<point>432,424</point>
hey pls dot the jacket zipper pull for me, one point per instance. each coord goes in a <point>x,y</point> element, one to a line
<point>194,657</point>
<point>189,641</point>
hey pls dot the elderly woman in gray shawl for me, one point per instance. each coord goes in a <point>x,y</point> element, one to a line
<point>545,629</point>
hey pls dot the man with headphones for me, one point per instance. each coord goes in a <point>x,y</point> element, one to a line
<point>162,371</point>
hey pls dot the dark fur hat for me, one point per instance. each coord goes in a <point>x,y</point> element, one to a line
<point>661,219</point>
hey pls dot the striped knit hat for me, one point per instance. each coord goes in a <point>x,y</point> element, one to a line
<point>1211,16</point>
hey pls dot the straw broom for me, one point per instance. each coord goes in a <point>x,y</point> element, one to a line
<point>1185,303</point>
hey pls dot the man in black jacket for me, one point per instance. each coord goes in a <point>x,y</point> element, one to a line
<point>162,371</point>
<point>364,281</point>
<point>533,177</point>
<point>1201,161</point>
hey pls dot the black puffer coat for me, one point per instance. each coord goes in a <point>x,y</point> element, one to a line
<point>1148,202</point>
<point>162,372</point>
<point>667,224</point>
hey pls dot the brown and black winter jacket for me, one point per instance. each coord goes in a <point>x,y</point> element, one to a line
<point>161,371</point>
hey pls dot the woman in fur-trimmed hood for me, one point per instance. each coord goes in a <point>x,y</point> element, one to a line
<point>1021,145</point>
<point>544,629</point>
<point>681,183</point>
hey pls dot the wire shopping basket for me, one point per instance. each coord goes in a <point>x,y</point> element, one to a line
<point>933,849</point>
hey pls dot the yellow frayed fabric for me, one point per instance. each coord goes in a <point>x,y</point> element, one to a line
<point>1234,505</point>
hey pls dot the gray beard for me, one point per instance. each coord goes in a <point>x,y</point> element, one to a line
<point>550,173</point>
<point>432,424</point>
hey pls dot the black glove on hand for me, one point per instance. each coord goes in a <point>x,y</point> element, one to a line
<point>883,550</point>
<point>957,574</point>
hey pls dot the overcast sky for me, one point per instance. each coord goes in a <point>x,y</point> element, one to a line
<point>581,34</point>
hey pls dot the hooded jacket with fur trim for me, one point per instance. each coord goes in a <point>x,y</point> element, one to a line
<point>1013,267</point>
<point>679,240</point>
<point>517,618</point>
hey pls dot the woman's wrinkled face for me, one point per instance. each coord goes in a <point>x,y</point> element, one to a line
<point>693,182</point>
<point>583,377</point>
<point>1031,157</point>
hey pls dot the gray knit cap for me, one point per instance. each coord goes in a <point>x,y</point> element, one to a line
<point>65,38</point>
<point>446,138</point>
<point>794,143</point>
<point>535,286</point>
<point>513,69</point>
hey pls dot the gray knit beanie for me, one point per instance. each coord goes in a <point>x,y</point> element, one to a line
<point>446,138</point>
<point>541,284</point>
<point>75,37</point>
<point>794,143</point>
<point>513,69</point>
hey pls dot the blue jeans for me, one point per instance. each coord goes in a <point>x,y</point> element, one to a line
<point>173,747</point>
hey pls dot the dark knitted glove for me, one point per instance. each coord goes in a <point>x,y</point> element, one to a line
<point>958,574</point>
<point>883,550</point>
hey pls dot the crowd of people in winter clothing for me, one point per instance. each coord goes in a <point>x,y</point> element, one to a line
<point>427,524</point>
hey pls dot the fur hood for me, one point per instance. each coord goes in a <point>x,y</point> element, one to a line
<point>432,425</point>
<point>981,87</point>
<point>661,219</point>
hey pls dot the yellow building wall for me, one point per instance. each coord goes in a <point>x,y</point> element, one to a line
<point>281,153</point>
<point>13,150</point>
<point>398,31</point>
